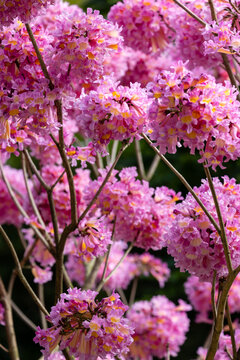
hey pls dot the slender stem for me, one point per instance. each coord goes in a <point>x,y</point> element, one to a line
<point>39,56</point>
<point>218,326</point>
<point>99,161</point>
<point>35,170</point>
<point>185,183</point>
<point>214,309</point>
<point>109,250</point>
<point>91,278</point>
<point>231,330</point>
<point>190,13</point>
<point>123,296</point>
<point>114,150</point>
<point>20,273</point>
<point>153,167</point>
<point>92,202</point>
<point>141,167</point>
<point>220,219</point>
<point>41,297</point>
<point>11,337</point>
<point>22,316</point>
<point>103,281</point>
<point>133,291</point>
<point>21,209</point>
<point>30,195</point>
<point>58,179</point>
<point>213,11</point>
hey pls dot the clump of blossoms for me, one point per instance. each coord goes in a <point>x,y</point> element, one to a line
<point>113,112</point>
<point>221,38</point>
<point>160,328</point>
<point>88,328</point>
<point>145,24</point>
<point>91,239</point>
<point>225,347</point>
<point>197,112</point>
<point>199,294</point>
<point>24,10</point>
<point>81,42</point>
<point>192,239</point>
<point>142,213</point>
<point>26,101</point>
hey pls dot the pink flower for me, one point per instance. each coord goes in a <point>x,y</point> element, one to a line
<point>24,10</point>
<point>88,328</point>
<point>160,326</point>
<point>145,24</point>
<point>197,112</point>
<point>113,112</point>
<point>194,242</point>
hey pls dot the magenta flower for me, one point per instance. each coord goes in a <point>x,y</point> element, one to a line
<point>160,326</point>
<point>197,112</point>
<point>145,24</point>
<point>194,242</point>
<point>23,10</point>
<point>87,327</point>
<point>113,112</point>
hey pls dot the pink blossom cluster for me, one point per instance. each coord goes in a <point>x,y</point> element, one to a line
<point>81,42</point>
<point>221,38</point>
<point>91,239</point>
<point>224,349</point>
<point>2,313</point>
<point>192,239</point>
<point>145,25</point>
<point>113,112</point>
<point>199,294</point>
<point>197,112</point>
<point>189,38</point>
<point>24,10</point>
<point>26,101</point>
<point>88,328</point>
<point>160,327</point>
<point>142,213</point>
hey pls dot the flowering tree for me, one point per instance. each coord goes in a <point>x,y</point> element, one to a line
<point>76,90</point>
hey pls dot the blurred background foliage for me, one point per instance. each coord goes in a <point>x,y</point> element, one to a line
<point>188,166</point>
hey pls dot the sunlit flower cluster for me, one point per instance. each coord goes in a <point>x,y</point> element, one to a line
<point>141,212</point>
<point>113,112</point>
<point>160,327</point>
<point>81,43</point>
<point>88,328</point>
<point>145,25</point>
<point>192,239</point>
<point>21,9</point>
<point>197,112</point>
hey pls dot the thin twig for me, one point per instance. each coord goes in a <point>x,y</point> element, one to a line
<point>133,291</point>
<point>20,273</point>
<point>109,250</point>
<point>114,150</point>
<point>41,297</point>
<point>214,308</point>
<point>22,316</point>
<point>220,219</point>
<point>139,157</point>
<point>123,296</point>
<point>153,167</point>
<point>10,332</point>
<point>231,330</point>
<point>190,13</point>
<point>101,284</point>
<point>185,183</point>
